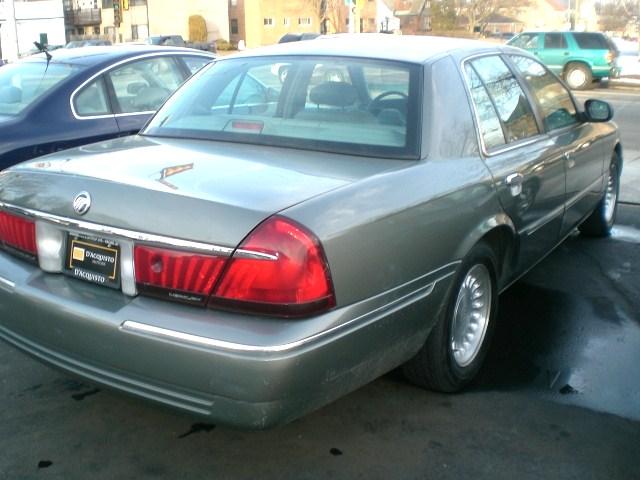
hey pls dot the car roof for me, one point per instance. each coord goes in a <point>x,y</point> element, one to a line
<point>94,55</point>
<point>560,31</point>
<point>406,48</point>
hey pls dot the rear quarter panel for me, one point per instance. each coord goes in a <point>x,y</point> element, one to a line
<point>594,58</point>
<point>392,228</point>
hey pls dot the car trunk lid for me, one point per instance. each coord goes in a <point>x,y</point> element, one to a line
<point>190,189</point>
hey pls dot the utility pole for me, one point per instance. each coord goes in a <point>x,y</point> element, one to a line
<point>352,17</point>
<point>11,51</point>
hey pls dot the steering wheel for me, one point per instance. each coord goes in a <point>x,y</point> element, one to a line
<point>375,107</point>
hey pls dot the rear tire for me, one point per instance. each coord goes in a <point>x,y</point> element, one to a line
<point>456,347</point>
<point>601,220</point>
<point>578,76</point>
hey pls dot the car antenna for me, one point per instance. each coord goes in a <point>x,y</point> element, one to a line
<point>43,49</point>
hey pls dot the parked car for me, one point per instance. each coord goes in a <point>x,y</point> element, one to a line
<point>83,95</point>
<point>89,42</point>
<point>297,37</point>
<point>178,41</point>
<point>262,248</point>
<point>505,36</point>
<point>578,57</point>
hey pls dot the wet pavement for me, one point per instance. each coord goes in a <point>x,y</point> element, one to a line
<point>558,398</point>
<point>570,330</point>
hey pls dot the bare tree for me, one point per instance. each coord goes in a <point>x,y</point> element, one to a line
<point>479,11</point>
<point>331,14</point>
<point>443,15</point>
<point>615,16</point>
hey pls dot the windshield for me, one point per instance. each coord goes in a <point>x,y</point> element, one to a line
<point>21,84</point>
<point>331,104</point>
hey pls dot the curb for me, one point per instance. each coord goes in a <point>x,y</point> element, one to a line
<point>625,82</point>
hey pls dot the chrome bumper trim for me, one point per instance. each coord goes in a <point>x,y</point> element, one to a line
<point>197,340</point>
<point>120,232</point>
<point>7,284</point>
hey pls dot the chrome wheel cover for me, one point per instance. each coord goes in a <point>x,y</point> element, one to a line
<point>576,78</point>
<point>611,195</point>
<point>471,315</point>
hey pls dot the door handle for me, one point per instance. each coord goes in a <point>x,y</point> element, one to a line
<point>570,161</point>
<point>514,182</point>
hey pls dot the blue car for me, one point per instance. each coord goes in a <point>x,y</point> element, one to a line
<point>66,98</point>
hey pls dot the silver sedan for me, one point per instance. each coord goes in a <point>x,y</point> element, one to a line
<point>272,241</point>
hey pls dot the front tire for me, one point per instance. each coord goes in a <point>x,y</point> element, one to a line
<point>458,343</point>
<point>578,76</point>
<point>601,220</point>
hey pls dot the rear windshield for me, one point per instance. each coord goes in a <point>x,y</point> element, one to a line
<point>341,105</point>
<point>525,40</point>
<point>21,84</point>
<point>591,41</point>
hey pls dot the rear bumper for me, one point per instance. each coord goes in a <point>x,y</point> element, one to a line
<point>608,71</point>
<point>237,370</point>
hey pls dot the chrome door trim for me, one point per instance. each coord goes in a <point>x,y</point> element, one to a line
<point>117,64</point>
<point>538,224</point>
<point>541,222</point>
<point>580,195</point>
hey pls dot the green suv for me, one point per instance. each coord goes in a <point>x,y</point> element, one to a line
<point>578,57</point>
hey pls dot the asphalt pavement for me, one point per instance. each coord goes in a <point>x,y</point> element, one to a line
<point>558,398</point>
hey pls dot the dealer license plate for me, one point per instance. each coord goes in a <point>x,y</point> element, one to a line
<point>93,259</point>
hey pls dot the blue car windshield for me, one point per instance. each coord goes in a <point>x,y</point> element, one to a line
<point>338,104</point>
<point>22,83</point>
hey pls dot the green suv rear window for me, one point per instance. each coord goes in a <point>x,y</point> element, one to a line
<point>591,41</point>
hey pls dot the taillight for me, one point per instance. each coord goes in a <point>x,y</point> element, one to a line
<point>18,233</point>
<point>182,276</point>
<point>279,269</point>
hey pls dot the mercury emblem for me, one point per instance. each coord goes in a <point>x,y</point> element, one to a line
<point>82,203</point>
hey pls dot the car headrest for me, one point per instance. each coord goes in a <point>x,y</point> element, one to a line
<point>336,94</point>
<point>10,94</point>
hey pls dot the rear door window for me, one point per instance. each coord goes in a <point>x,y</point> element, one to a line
<point>92,99</point>
<point>489,123</point>
<point>510,101</point>
<point>143,85</point>
<point>555,40</point>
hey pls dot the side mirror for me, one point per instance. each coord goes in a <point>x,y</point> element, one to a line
<point>597,111</point>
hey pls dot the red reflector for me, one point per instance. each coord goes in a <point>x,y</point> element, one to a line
<point>18,232</point>
<point>279,269</point>
<point>175,271</point>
